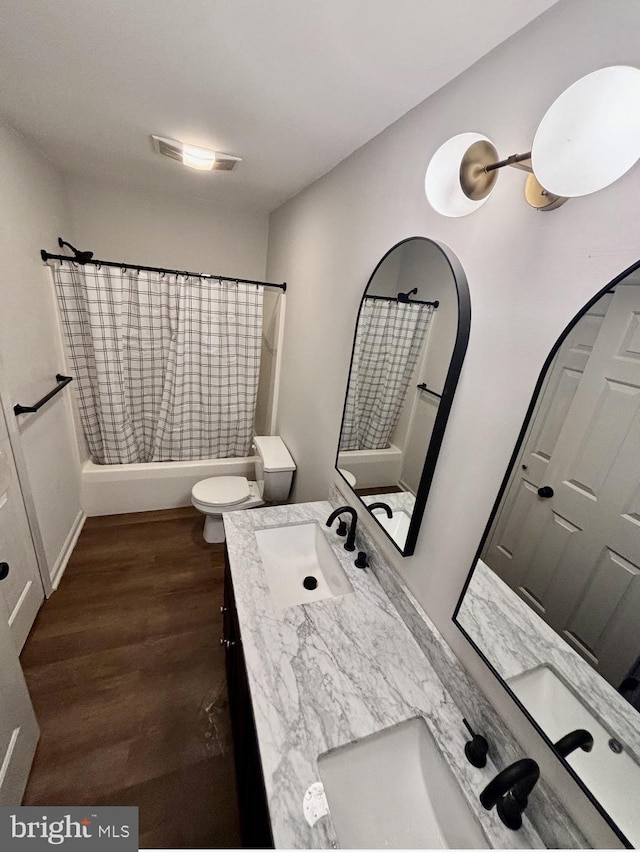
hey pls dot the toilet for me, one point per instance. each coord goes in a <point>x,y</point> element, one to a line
<point>218,494</point>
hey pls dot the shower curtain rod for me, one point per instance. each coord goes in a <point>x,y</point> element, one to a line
<point>45,255</point>
<point>434,305</point>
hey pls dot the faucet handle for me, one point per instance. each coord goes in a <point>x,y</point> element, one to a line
<point>361,560</point>
<point>476,749</point>
<point>342,527</point>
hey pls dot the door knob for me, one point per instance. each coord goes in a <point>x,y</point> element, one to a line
<point>546,491</point>
<point>4,570</point>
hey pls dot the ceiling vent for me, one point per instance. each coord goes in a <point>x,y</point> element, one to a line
<point>177,151</point>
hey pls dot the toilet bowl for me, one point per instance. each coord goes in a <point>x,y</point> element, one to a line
<point>219,494</point>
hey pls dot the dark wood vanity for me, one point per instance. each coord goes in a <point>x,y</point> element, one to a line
<point>252,802</point>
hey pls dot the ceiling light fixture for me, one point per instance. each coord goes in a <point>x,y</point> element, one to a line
<point>194,156</point>
<point>198,158</point>
<point>588,138</point>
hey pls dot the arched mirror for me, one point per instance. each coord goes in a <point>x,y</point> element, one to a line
<point>409,344</point>
<point>553,601</point>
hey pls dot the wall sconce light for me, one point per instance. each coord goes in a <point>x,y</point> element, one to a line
<point>588,138</point>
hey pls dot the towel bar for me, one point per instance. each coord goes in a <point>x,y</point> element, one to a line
<point>63,381</point>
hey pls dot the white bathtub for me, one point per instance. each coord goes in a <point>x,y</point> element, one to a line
<point>109,489</point>
<point>373,468</point>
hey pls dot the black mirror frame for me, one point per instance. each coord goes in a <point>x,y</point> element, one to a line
<point>485,535</point>
<point>450,384</point>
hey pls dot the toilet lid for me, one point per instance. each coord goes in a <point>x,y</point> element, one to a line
<point>221,490</point>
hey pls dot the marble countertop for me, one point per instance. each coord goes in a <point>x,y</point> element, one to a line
<point>516,640</point>
<point>324,674</point>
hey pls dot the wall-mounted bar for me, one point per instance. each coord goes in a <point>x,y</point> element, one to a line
<point>63,381</point>
<point>423,387</point>
<point>83,259</point>
<point>434,305</point>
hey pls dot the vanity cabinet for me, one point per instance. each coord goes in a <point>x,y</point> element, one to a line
<point>252,801</point>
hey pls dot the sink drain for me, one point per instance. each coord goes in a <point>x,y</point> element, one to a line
<point>310,583</point>
<point>615,746</point>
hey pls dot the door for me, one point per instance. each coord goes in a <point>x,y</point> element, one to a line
<point>18,727</point>
<point>20,582</point>
<point>572,551</point>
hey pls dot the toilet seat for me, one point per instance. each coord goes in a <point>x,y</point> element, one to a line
<point>221,490</point>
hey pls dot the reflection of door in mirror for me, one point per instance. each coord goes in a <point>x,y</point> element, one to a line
<point>567,538</point>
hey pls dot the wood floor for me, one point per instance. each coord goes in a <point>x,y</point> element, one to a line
<point>126,674</point>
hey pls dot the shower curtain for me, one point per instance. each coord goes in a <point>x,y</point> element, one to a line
<point>167,366</point>
<point>389,339</point>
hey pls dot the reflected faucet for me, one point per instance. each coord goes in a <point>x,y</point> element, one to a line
<point>510,790</point>
<point>380,505</point>
<point>573,740</point>
<point>350,543</point>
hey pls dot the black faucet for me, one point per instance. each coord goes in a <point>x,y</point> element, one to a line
<point>380,505</point>
<point>573,740</point>
<point>350,543</point>
<point>510,790</point>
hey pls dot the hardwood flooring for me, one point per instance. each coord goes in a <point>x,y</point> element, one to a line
<point>126,674</point>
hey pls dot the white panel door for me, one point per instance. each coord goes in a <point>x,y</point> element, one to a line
<point>21,586</point>
<point>575,556</point>
<point>19,731</point>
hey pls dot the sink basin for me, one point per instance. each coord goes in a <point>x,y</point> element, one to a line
<point>300,564</point>
<point>612,776</point>
<point>397,526</point>
<point>395,790</point>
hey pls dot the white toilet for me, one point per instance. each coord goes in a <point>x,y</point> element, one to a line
<point>218,494</point>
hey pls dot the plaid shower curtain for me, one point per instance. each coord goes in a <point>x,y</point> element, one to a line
<point>389,339</point>
<point>167,366</point>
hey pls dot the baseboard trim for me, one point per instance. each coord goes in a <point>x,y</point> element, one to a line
<point>67,550</point>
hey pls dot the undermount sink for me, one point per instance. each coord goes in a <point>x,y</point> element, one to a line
<point>300,564</point>
<point>395,790</point>
<point>397,526</point>
<point>612,775</point>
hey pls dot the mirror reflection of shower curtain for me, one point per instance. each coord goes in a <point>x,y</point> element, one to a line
<point>389,339</point>
<point>167,366</point>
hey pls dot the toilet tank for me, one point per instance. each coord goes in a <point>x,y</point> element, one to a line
<point>274,468</point>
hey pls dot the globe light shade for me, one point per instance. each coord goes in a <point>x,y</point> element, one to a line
<point>590,136</point>
<point>442,180</point>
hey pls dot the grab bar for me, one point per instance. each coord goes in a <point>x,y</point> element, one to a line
<point>63,381</point>
<point>428,390</point>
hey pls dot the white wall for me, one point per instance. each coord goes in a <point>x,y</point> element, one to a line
<point>159,229</point>
<point>33,214</point>
<point>528,274</point>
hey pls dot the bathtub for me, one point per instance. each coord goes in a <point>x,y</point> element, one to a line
<point>110,489</point>
<point>373,468</point>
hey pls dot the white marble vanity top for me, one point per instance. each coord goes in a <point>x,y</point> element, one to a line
<point>327,673</point>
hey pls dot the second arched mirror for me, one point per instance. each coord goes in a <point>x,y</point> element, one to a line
<point>410,340</point>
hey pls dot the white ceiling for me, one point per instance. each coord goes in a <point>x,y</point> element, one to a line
<point>291,86</point>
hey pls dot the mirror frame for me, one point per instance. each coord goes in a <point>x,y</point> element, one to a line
<point>485,535</point>
<point>448,391</point>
